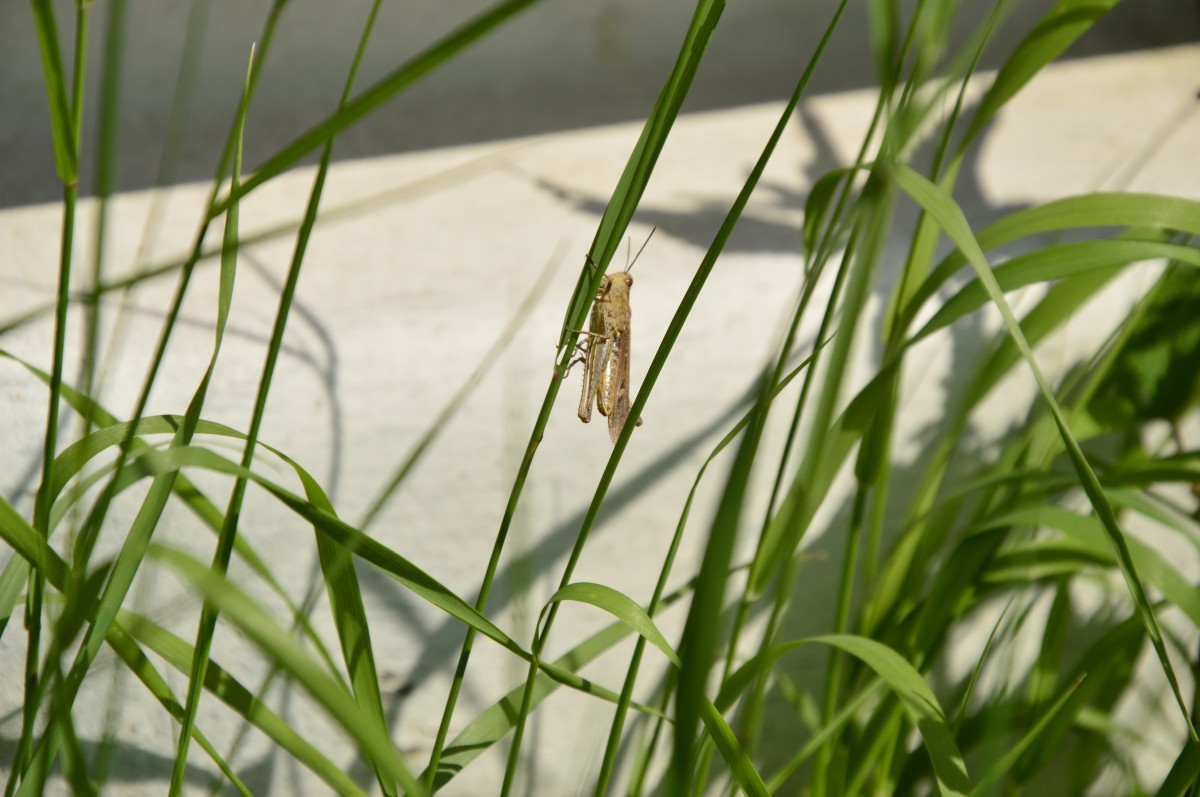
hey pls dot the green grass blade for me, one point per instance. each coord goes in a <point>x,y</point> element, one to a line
<point>1001,767</point>
<point>12,587</point>
<point>950,218</point>
<point>1089,535</point>
<point>145,672</point>
<point>702,627</point>
<point>1181,780</point>
<point>622,607</point>
<point>1065,23</point>
<point>920,703</point>
<point>264,632</point>
<point>169,460</point>
<point>208,617</point>
<point>132,628</point>
<point>740,766</point>
<point>66,156</point>
<point>492,724</point>
<point>1089,211</point>
<point>1055,263</point>
<point>374,96</point>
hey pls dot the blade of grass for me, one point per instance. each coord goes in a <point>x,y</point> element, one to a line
<point>950,218</point>
<point>491,725</point>
<point>702,627</point>
<point>228,530</point>
<point>920,703</point>
<point>65,129</point>
<point>130,628</point>
<point>616,217</point>
<point>374,96</point>
<point>342,584</point>
<point>133,549</point>
<point>62,116</point>
<point>262,630</point>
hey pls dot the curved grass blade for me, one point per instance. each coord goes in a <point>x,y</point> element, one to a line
<point>1065,23</point>
<point>141,667</point>
<point>264,632</point>
<point>72,459</point>
<point>169,460</point>
<point>920,703</point>
<point>222,685</point>
<point>950,218</point>
<point>341,581</point>
<point>1088,211</point>
<point>1055,263</point>
<point>208,617</point>
<point>621,606</point>
<point>491,725</point>
<point>1088,534</point>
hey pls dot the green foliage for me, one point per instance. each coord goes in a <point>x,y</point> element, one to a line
<point>1024,527</point>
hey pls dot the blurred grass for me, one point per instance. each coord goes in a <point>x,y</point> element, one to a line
<point>1034,523</point>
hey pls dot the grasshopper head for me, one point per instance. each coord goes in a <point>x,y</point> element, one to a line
<point>615,285</point>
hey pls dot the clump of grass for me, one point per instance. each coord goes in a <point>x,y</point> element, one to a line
<point>969,547</point>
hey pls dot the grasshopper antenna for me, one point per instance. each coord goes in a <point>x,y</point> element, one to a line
<point>639,254</point>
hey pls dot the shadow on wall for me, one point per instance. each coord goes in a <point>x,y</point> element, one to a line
<point>556,66</point>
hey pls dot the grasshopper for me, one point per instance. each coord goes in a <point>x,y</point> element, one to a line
<point>605,356</point>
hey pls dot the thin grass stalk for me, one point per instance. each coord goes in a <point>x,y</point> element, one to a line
<point>100,509</point>
<point>876,205</point>
<point>374,96</point>
<point>36,679</point>
<point>616,731</point>
<point>229,527</point>
<point>841,616</point>
<point>106,164</point>
<point>176,128</point>
<point>612,226</point>
<point>208,618</point>
<point>129,559</point>
<point>754,702</point>
<point>641,765</point>
<point>748,188</point>
<point>66,130</point>
<point>701,632</point>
